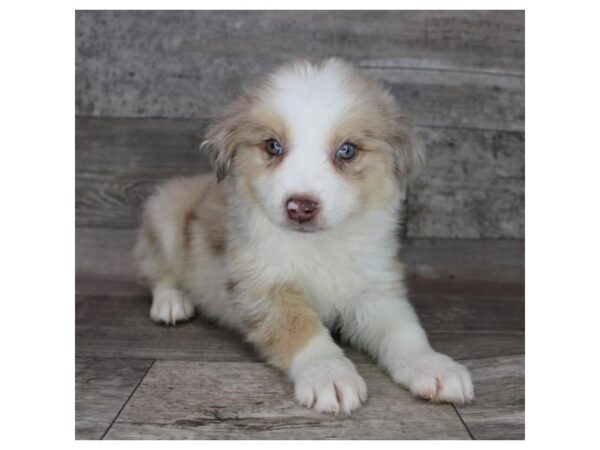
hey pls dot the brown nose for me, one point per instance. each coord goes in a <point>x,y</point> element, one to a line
<point>302,209</point>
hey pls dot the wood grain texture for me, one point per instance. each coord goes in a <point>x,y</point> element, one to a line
<point>196,400</point>
<point>472,186</point>
<point>115,326</point>
<point>102,387</point>
<point>457,99</point>
<point>467,293</point>
<point>469,296</point>
<point>102,252</point>
<point>118,326</point>
<point>120,162</point>
<point>189,63</point>
<point>486,333</point>
<point>498,412</point>
<point>499,261</point>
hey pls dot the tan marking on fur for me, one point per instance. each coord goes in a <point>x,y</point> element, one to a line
<point>217,243</point>
<point>251,153</point>
<point>148,255</point>
<point>376,181</point>
<point>211,218</point>
<point>251,158</point>
<point>207,217</point>
<point>285,327</point>
<point>245,123</point>
<point>182,212</point>
<point>250,324</point>
<point>376,124</point>
<point>371,172</point>
<point>380,133</point>
<point>188,231</point>
<point>230,286</point>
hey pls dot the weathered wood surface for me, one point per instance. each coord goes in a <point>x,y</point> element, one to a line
<point>114,326</point>
<point>119,163</point>
<point>103,386</point>
<point>118,326</point>
<point>449,99</point>
<point>471,187</point>
<point>197,400</point>
<point>450,68</point>
<point>458,74</point>
<point>469,297</point>
<point>498,411</point>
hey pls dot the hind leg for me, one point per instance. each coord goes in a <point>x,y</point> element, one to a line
<point>164,245</point>
<point>170,305</point>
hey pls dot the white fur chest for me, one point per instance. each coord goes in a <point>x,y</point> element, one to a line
<point>331,267</point>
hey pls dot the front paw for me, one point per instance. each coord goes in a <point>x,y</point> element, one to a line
<point>436,377</point>
<point>170,306</point>
<point>331,385</point>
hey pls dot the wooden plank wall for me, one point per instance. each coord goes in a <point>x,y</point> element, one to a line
<point>148,82</point>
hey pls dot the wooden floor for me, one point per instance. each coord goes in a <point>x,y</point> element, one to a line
<point>138,380</point>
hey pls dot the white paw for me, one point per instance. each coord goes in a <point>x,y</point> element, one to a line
<point>436,377</point>
<point>330,385</point>
<point>169,306</point>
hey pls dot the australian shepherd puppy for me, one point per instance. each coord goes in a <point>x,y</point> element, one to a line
<point>297,235</point>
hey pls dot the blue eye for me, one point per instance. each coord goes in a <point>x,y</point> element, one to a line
<point>274,147</point>
<point>346,151</point>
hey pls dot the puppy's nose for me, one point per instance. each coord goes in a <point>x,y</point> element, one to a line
<point>302,209</point>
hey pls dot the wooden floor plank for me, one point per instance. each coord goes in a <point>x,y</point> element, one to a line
<point>499,409</point>
<point>468,295</point>
<point>118,326</point>
<point>102,387</point>
<point>499,261</point>
<point>478,344</point>
<point>469,313</point>
<point>101,252</point>
<point>195,400</point>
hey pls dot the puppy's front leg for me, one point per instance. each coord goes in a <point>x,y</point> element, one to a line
<point>289,333</point>
<point>385,324</point>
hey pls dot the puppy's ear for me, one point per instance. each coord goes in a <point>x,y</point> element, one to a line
<point>409,153</point>
<point>220,145</point>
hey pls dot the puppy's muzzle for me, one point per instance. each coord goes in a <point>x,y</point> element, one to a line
<point>302,209</point>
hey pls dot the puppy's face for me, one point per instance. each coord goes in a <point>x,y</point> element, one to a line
<point>313,146</point>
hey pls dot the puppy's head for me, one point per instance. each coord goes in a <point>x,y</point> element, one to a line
<point>314,145</point>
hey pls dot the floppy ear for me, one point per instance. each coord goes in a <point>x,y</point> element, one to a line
<point>409,153</point>
<point>219,145</point>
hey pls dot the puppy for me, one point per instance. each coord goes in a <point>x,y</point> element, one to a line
<point>298,236</point>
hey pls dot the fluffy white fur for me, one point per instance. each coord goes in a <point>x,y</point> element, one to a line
<point>231,250</point>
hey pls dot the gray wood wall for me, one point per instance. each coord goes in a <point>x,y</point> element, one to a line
<point>147,82</point>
